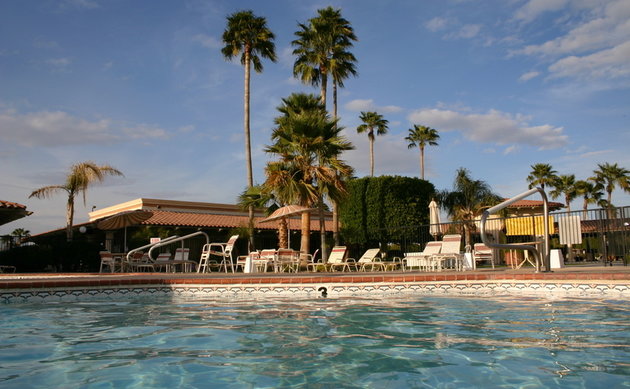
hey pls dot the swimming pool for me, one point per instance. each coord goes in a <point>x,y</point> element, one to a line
<point>323,343</point>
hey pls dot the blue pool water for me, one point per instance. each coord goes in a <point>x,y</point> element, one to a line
<point>415,342</point>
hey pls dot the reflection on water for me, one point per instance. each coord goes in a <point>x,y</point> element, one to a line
<point>341,343</point>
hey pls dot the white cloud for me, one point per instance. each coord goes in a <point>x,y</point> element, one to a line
<point>528,76</point>
<point>605,64</point>
<point>208,41</point>
<point>57,128</point>
<point>469,31</point>
<point>88,4</point>
<point>436,24</point>
<point>58,62</point>
<point>596,47</point>
<point>492,127</point>
<point>359,105</point>
<point>534,8</point>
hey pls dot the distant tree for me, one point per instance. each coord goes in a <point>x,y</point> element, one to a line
<point>372,122</point>
<point>19,234</point>
<point>608,176</point>
<point>542,174</point>
<point>261,196</point>
<point>422,136</point>
<point>589,192</point>
<point>247,35</point>
<point>81,176</point>
<point>467,200</point>
<point>565,185</point>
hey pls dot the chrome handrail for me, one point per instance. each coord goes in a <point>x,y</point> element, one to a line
<point>177,239</point>
<point>533,249</point>
<point>170,238</point>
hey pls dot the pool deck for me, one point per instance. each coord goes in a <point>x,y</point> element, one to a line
<point>588,273</point>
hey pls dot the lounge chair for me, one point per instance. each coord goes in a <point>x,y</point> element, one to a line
<point>223,253</point>
<point>481,253</point>
<point>337,260</point>
<point>287,260</point>
<point>181,259</point>
<point>367,260</point>
<point>421,259</point>
<point>450,255</point>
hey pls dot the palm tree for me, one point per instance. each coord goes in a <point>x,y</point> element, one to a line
<point>20,233</point>
<point>247,35</point>
<point>308,143</point>
<point>421,136</point>
<point>321,48</point>
<point>81,176</point>
<point>261,196</point>
<point>372,121</point>
<point>589,192</point>
<point>542,174</point>
<point>565,185</point>
<point>467,200</point>
<point>608,176</point>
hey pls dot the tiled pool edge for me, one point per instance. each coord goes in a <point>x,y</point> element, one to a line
<point>592,285</point>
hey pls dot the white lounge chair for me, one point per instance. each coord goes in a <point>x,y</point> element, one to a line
<point>336,260</point>
<point>482,253</point>
<point>450,255</point>
<point>367,260</point>
<point>422,259</point>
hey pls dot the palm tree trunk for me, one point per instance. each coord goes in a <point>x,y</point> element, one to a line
<point>334,99</point>
<point>322,94</point>
<point>248,150</point>
<point>69,217</point>
<point>283,241</point>
<point>335,222</point>
<point>585,208</point>
<point>322,230</point>
<point>422,162</point>
<point>371,157</point>
<point>306,233</point>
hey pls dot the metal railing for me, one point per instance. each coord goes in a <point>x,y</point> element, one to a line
<point>511,246</point>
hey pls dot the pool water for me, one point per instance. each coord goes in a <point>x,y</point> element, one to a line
<point>384,342</point>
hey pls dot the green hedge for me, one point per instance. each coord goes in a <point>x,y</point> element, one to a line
<point>381,208</point>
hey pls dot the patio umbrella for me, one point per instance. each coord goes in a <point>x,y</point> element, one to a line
<point>285,211</point>
<point>123,220</point>
<point>434,219</point>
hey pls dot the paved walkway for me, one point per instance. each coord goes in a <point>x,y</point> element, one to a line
<point>573,273</point>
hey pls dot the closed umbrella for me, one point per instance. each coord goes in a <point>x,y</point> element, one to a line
<point>434,219</point>
<point>123,220</point>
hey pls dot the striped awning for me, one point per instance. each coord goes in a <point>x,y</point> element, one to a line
<point>530,225</point>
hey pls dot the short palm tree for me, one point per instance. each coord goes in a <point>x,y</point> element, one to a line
<point>260,196</point>
<point>308,143</point>
<point>565,185</point>
<point>422,136</point>
<point>247,35</point>
<point>81,176</point>
<point>609,176</point>
<point>372,122</point>
<point>589,192</point>
<point>467,201</point>
<point>542,174</point>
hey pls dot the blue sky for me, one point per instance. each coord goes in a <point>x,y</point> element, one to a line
<point>142,85</point>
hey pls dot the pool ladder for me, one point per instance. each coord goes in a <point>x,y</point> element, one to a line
<point>541,258</point>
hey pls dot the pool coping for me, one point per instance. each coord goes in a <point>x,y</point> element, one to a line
<point>592,281</point>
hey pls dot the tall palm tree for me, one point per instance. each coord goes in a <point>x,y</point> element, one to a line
<point>565,185</point>
<point>542,174</point>
<point>422,136</point>
<point>609,176</point>
<point>321,48</point>
<point>81,176</point>
<point>247,35</point>
<point>372,121</point>
<point>308,143</point>
<point>467,200</point>
<point>589,192</point>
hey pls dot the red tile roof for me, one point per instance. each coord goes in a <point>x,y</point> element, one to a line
<point>191,219</point>
<point>534,204</point>
<point>8,204</point>
<point>11,211</point>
